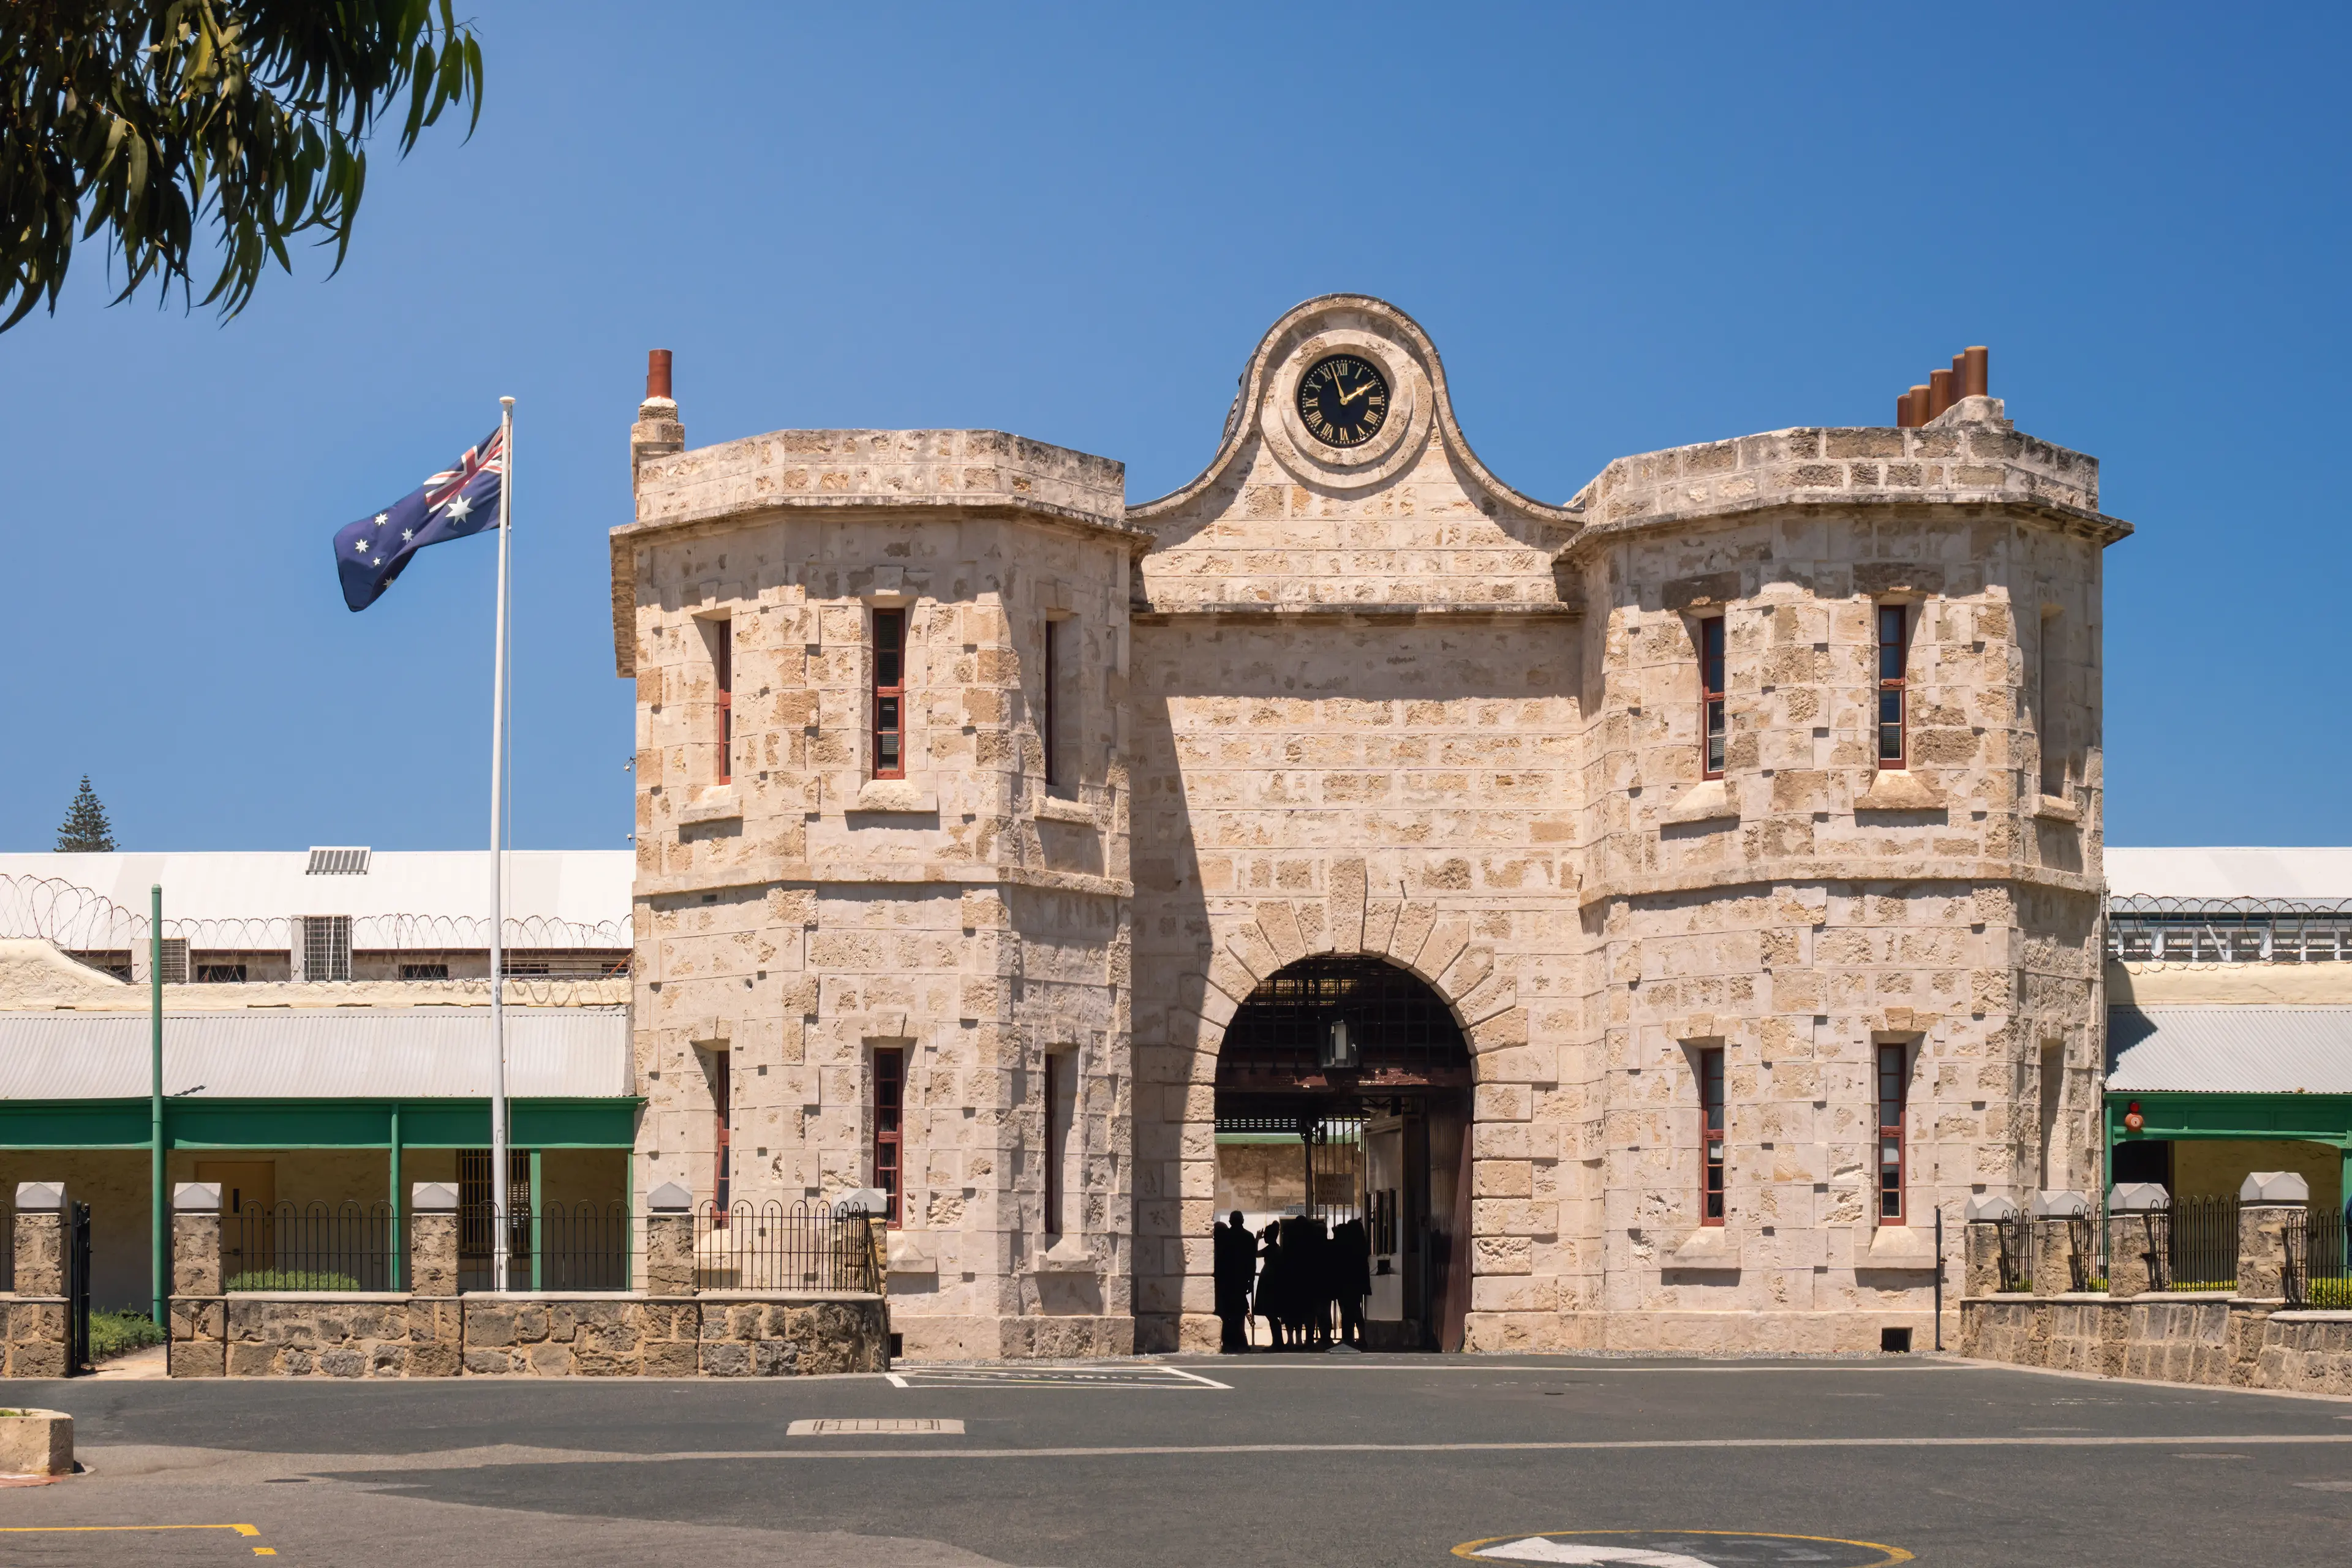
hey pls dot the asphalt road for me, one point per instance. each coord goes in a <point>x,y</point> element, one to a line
<point>1361,1461</point>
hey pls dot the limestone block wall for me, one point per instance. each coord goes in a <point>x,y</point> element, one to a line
<point>1809,906</point>
<point>804,913</point>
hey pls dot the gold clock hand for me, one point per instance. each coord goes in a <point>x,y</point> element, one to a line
<point>1362,387</point>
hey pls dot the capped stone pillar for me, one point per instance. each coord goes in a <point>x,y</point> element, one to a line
<point>432,1238</point>
<point>2267,1201</point>
<point>1980,1273</point>
<point>40,1238</point>
<point>2055,1215</point>
<point>197,1238</point>
<point>33,1323</point>
<point>198,1311</point>
<point>669,1241</point>
<point>2136,1262</point>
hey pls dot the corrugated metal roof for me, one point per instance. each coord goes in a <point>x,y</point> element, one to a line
<point>324,1053</point>
<point>587,886</point>
<point>2230,1050</point>
<point>2307,875</point>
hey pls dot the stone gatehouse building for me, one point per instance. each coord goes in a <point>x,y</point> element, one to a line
<point>1675,896</point>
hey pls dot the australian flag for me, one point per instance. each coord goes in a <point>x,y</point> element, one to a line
<point>452,504</point>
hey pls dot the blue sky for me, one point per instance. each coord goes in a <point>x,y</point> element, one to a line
<point>1625,227</point>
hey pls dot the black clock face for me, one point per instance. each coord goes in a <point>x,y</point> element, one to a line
<point>1343,400</point>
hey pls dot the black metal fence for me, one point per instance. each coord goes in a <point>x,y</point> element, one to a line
<point>8,1245</point>
<point>2317,1271</point>
<point>310,1246</point>
<point>774,1247</point>
<point>583,1246</point>
<point>2016,1252</point>
<point>2201,1244</point>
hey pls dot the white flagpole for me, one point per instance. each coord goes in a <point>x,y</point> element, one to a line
<point>499,1237</point>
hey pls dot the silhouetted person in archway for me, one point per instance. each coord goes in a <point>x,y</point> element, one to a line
<point>1236,1262</point>
<point>1351,1257</point>
<point>1272,1303</point>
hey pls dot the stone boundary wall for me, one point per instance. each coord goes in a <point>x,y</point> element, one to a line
<point>2192,1337</point>
<point>354,1335</point>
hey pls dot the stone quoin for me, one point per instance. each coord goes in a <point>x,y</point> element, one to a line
<point>976,805</point>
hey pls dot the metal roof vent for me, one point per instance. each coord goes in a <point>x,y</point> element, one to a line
<point>338,863</point>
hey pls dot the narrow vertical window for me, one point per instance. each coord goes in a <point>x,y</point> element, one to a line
<point>722,678</point>
<point>1710,684</point>
<point>890,1130</point>
<point>1894,656</point>
<point>1061,1112</point>
<point>2053,1094</point>
<point>2047,729</point>
<point>889,694</point>
<point>722,1121</point>
<point>1710,1104</point>
<point>1893,1087</point>
<point>1049,711</point>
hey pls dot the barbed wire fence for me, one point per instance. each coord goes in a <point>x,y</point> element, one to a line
<point>2146,930</point>
<point>542,952</point>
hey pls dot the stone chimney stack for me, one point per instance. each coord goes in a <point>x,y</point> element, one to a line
<point>657,432</point>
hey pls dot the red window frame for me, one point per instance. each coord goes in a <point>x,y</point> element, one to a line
<point>889,694</point>
<point>1711,721</point>
<point>1714,1195</point>
<point>723,676</point>
<point>1893,1098</point>
<point>890,1130</point>
<point>1894,694</point>
<point>722,1116</point>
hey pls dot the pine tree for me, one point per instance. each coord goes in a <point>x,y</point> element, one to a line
<point>86,828</point>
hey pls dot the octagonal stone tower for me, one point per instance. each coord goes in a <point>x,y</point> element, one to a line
<point>1730,834</point>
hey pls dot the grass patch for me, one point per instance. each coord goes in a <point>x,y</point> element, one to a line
<point>2205,1284</point>
<point>119,1332</point>
<point>290,1280</point>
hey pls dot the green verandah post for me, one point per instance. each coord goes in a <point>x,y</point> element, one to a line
<point>156,1212</point>
<point>397,1241</point>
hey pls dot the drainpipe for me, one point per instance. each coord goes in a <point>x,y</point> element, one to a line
<point>155,1210</point>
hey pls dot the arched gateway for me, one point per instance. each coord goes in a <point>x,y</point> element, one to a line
<point>1343,1092</point>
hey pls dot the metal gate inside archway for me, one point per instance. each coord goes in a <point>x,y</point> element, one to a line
<point>1342,1097</point>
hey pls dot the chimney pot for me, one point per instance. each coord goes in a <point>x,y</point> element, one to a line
<point>1903,410</point>
<point>1975,372</point>
<point>1940,392</point>
<point>1918,396</point>
<point>658,372</point>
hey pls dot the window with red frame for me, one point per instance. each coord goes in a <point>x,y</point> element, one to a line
<point>1893,1087</point>
<point>1710,1104</point>
<point>890,1130</point>
<point>722,678</point>
<point>1893,657</point>
<point>1710,684</point>
<point>889,694</point>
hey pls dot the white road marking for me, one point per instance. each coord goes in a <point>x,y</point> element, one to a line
<point>1535,1549</point>
<point>896,1381</point>
<point>874,1425</point>
<point>1196,1377</point>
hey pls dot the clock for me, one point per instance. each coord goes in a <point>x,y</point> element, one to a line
<point>1342,400</point>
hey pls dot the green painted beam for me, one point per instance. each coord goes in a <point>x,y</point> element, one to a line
<point>2168,1114</point>
<point>213,1124</point>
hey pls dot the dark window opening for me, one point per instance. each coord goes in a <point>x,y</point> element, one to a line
<point>722,1123</point>
<point>890,1130</point>
<point>1710,1100</point>
<point>220,974</point>
<point>1061,1085</point>
<point>889,694</point>
<point>1896,1342</point>
<point>1893,1089</point>
<point>722,679</point>
<point>432,971</point>
<point>1894,657</point>
<point>1710,681</point>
